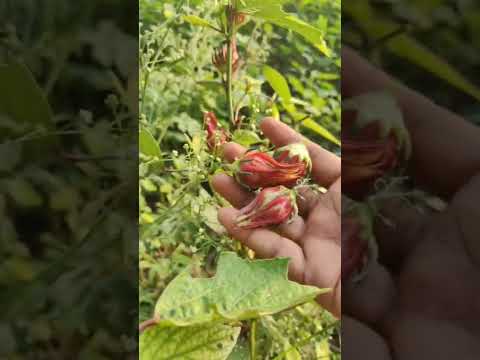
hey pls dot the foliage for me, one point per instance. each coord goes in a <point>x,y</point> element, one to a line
<point>68,249</point>
<point>431,45</point>
<point>282,74</point>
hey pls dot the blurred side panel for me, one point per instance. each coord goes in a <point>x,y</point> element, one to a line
<point>68,179</point>
<point>411,179</point>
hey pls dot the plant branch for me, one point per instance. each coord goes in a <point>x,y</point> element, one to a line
<point>230,37</point>
<point>146,324</point>
<point>253,335</point>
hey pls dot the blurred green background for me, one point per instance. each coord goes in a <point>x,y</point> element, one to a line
<point>178,82</point>
<point>430,45</point>
<point>68,179</point>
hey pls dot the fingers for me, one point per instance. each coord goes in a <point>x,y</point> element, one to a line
<point>361,342</point>
<point>266,243</point>
<point>231,190</point>
<point>370,299</point>
<point>398,230</point>
<point>428,125</point>
<point>326,165</point>
<point>232,151</point>
<point>418,337</point>
<point>293,230</point>
<point>238,196</point>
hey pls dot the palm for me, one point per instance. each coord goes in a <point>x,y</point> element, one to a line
<point>439,291</point>
<point>424,301</point>
<point>435,279</point>
<point>311,240</point>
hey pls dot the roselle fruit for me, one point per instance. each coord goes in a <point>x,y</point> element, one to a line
<point>220,58</point>
<point>256,169</point>
<point>215,136</point>
<point>293,154</point>
<point>375,142</point>
<point>271,206</point>
<point>359,248</point>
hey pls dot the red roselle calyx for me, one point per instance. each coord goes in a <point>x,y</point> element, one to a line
<point>220,58</point>
<point>257,169</point>
<point>294,154</point>
<point>375,142</point>
<point>359,248</point>
<point>238,17</point>
<point>271,206</point>
<point>215,136</point>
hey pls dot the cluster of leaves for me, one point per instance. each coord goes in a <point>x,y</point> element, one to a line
<point>284,75</point>
<point>431,45</point>
<point>68,125</point>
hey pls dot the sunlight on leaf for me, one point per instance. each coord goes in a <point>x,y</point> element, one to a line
<point>406,47</point>
<point>272,11</point>
<point>278,83</point>
<point>320,130</point>
<point>240,290</point>
<point>212,342</point>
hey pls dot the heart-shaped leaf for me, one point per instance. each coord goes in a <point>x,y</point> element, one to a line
<point>212,342</point>
<point>241,289</point>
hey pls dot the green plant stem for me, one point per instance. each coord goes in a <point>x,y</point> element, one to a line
<point>230,76</point>
<point>253,336</point>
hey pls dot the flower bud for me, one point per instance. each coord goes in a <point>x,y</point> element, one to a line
<point>220,58</point>
<point>271,206</point>
<point>257,169</point>
<point>359,248</point>
<point>293,153</point>
<point>364,162</point>
<point>239,18</point>
<point>215,136</point>
<point>375,142</point>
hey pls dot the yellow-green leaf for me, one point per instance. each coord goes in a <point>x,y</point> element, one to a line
<point>197,21</point>
<point>320,130</point>
<point>260,288</point>
<point>406,47</point>
<point>278,83</point>
<point>147,144</point>
<point>272,11</point>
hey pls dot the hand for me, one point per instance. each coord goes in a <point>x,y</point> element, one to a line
<point>312,239</point>
<point>423,300</point>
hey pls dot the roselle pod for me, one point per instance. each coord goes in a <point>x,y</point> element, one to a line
<point>220,58</point>
<point>375,142</point>
<point>293,154</point>
<point>256,169</point>
<point>359,247</point>
<point>271,206</point>
<point>215,136</point>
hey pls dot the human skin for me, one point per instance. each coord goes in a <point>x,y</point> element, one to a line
<point>423,300</point>
<point>312,239</point>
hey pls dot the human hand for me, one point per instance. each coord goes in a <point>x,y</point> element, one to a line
<point>422,301</point>
<point>312,239</point>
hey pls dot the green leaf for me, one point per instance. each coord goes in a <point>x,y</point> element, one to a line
<point>212,342</point>
<point>147,144</point>
<point>17,88</point>
<point>320,130</point>
<point>197,21</point>
<point>23,193</point>
<point>241,350</point>
<point>278,83</point>
<point>406,47</point>
<point>241,289</point>
<point>272,11</point>
<point>246,138</point>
